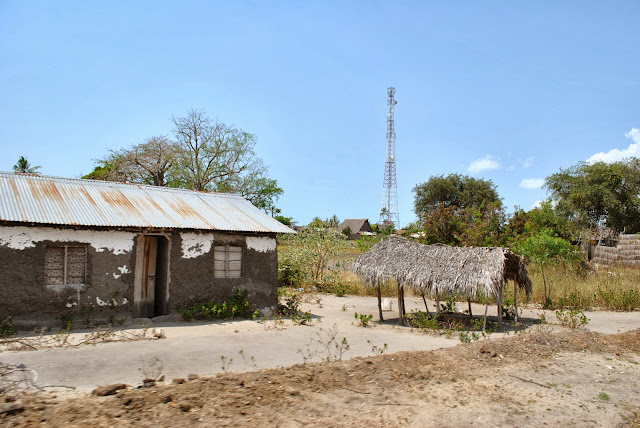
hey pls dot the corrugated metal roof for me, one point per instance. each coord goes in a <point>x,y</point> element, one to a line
<point>66,201</point>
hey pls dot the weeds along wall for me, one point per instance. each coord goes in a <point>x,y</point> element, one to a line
<point>51,273</point>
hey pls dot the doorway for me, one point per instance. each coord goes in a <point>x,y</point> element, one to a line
<point>151,277</point>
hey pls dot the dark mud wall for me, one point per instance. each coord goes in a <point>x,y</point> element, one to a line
<point>192,269</point>
<point>106,294</point>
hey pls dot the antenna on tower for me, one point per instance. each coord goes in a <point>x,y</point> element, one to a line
<point>389,215</point>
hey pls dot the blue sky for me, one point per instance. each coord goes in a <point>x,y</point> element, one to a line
<point>501,90</point>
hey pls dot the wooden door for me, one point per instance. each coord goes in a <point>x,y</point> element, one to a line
<point>148,279</point>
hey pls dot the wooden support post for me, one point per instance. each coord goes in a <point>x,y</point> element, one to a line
<point>404,308</point>
<point>499,302</point>
<point>400,306</point>
<point>380,302</point>
<point>470,313</point>
<point>515,298</point>
<point>426,308</point>
<point>486,311</point>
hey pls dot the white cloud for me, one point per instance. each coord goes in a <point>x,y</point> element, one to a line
<point>536,204</point>
<point>487,163</point>
<point>532,183</point>
<point>615,155</point>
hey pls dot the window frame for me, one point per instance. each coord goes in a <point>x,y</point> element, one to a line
<point>65,265</point>
<point>217,273</point>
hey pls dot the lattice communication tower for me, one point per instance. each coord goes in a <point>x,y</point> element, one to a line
<point>389,208</point>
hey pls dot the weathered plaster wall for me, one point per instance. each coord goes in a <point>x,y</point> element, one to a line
<point>107,291</point>
<point>192,279</point>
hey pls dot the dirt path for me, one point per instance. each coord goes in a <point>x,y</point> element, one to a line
<point>543,375</point>
<point>537,378</point>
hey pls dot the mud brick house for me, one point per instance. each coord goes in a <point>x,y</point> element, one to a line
<point>71,246</point>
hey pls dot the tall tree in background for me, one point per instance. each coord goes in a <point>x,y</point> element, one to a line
<point>150,162</point>
<point>211,153</point>
<point>459,210</point>
<point>454,190</point>
<point>24,166</point>
<point>205,156</point>
<point>586,193</point>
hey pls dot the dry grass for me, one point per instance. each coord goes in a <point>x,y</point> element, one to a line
<point>389,288</point>
<point>615,289</point>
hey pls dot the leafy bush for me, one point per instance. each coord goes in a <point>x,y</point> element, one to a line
<point>236,306</point>
<point>291,307</point>
<point>572,319</point>
<point>303,258</point>
<point>365,242</point>
<point>422,320</point>
<point>363,320</point>
<point>341,289</point>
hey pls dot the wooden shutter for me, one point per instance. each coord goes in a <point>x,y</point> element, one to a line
<point>76,265</point>
<point>65,265</point>
<point>54,266</point>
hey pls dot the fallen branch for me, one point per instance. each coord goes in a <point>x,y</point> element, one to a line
<point>530,381</point>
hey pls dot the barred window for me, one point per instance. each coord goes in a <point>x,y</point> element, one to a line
<point>65,265</point>
<point>227,261</point>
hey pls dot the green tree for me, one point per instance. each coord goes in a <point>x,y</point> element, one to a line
<point>454,190</point>
<point>303,257</point>
<point>585,194</point>
<point>542,247</point>
<point>287,221</point>
<point>483,226</point>
<point>206,155</point>
<point>24,166</point>
<point>211,153</point>
<point>523,224</point>
<point>459,210</point>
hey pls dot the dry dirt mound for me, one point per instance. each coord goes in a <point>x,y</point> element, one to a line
<point>572,378</point>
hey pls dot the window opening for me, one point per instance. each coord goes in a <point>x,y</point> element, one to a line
<point>227,261</point>
<point>65,265</point>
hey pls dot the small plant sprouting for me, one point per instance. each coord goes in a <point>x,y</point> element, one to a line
<point>344,308</point>
<point>603,396</point>
<point>325,346</point>
<point>250,362</point>
<point>363,319</point>
<point>377,350</point>
<point>543,318</point>
<point>225,363</point>
<point>572,318</point>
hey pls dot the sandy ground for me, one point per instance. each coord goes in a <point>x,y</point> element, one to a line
<point>544,375</point>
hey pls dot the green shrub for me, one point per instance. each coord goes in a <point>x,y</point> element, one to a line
<point>572,319</point>
<point>363,320</point>
<point>6,327</point>
<point>422,320</point>
<point>236,306</point>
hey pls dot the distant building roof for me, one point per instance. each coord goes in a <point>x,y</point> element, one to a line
<point>356,225</point>
<point>48,200</point>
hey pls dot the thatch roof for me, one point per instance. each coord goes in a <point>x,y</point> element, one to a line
<point>356,225</point>
<point>441,269</point>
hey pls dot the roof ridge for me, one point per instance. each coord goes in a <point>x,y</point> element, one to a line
<point>108,183</point>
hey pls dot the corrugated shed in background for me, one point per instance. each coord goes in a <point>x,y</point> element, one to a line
<point>66,201</point>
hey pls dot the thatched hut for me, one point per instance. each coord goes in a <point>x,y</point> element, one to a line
<point>438,270</point>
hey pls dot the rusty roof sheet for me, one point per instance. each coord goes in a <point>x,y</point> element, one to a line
<point>65,201</point>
